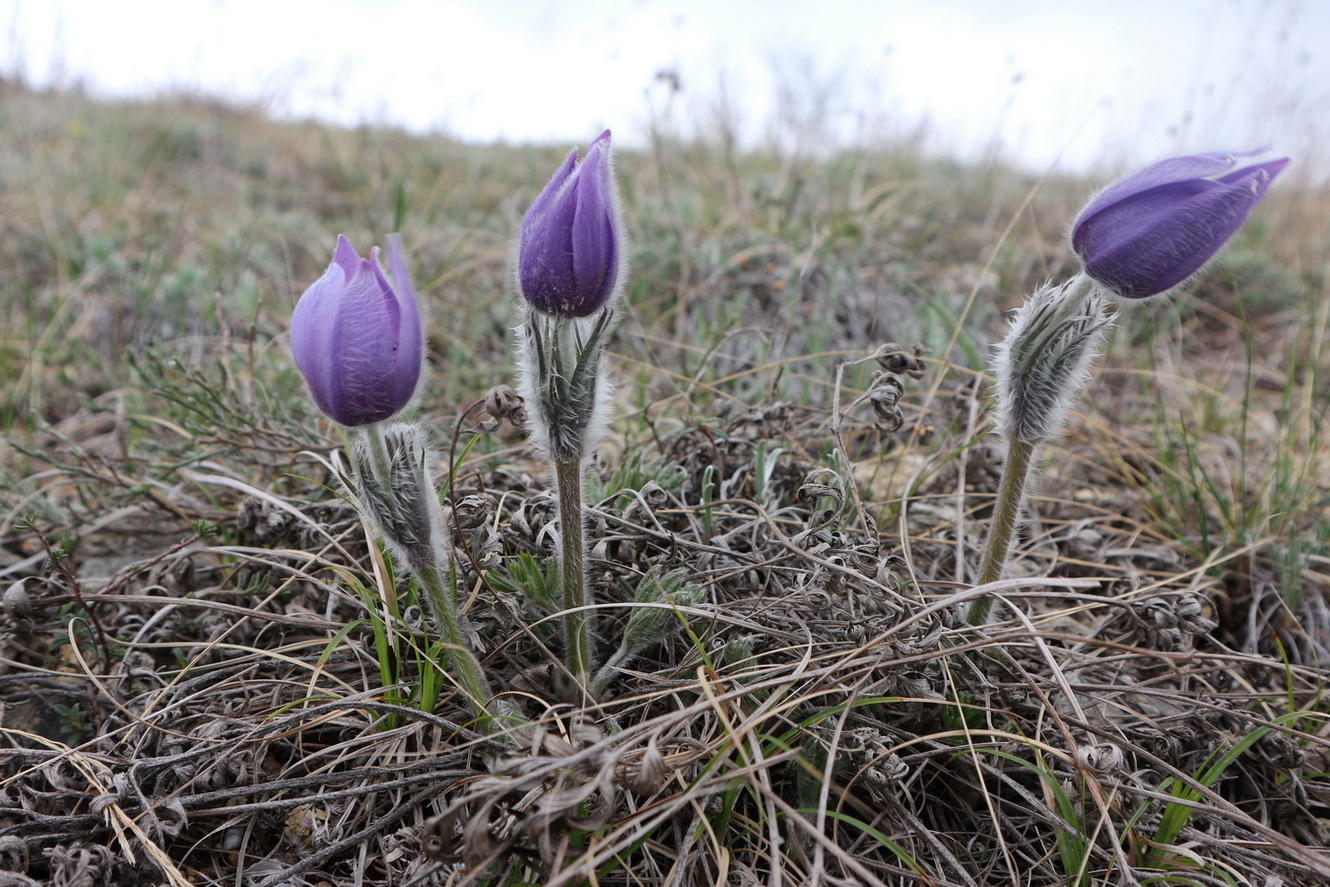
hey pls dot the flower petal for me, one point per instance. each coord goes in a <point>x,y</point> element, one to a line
<point>1171,247</point>
<point>1165,172</point>
<point>410,333</point>
<point>595,246</point>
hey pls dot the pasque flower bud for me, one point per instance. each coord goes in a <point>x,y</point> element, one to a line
<point>357,338</point>
<point>1138,238</point>
<point>571,267</point>
<point>571,255</point>
<point>1149,232</point>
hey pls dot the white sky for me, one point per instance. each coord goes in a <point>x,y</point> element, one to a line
<point>1089,81</point>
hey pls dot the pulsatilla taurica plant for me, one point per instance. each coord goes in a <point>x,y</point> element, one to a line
<point>1139,238</point>
<point>357,339</point>
<point>571,268</point>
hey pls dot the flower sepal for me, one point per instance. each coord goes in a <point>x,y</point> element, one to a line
<point>1150,232</point>
<point>357,338</point>
<point>571,255</point>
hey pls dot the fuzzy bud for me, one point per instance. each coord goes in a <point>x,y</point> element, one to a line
<point>1044,362</point>
<point>357,338</point>
<point>1149,232</point>
<point>571,255</point>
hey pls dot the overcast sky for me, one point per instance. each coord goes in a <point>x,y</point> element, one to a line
<point>1074,82</point>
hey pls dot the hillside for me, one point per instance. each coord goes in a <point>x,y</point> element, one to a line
<point>209,673</point>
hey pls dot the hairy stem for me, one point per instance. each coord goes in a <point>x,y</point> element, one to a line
<point>425,550</point>
<point>1006,513</point>
<point>461,662</point>
<point>577,618</point>
<point>380,461</point>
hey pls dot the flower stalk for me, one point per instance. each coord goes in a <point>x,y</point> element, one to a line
<point>570,269</point>
<point>461,662</point>
<point>1002,527</point>
<point>578,618</point>
<point>357,338</point>
<point>564,384</point>
<point>390,477</point>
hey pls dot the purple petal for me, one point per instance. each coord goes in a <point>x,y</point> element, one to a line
<point>1124,219</point>
<point>1262,173</point>
<point>312,326</point>
<point>362,345</point>
<point>346,257</point>
<point>545,250</point>
<point>1166,172</point>
<point>1164,249</point>
<point>555,188</point>
<point>568,257</point>
<point>410,335</point>
<point>595,248</point>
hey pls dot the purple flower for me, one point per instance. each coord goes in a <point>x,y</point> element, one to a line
<point>570,256</point>
<point>357,339</point>
<point>1151,231</point>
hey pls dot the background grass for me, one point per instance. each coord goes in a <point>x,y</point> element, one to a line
<point>202,662</point>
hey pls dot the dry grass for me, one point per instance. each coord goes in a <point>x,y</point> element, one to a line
<point>209,676</point>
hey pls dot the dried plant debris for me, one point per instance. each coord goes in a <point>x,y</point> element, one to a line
<point>807,688</point>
